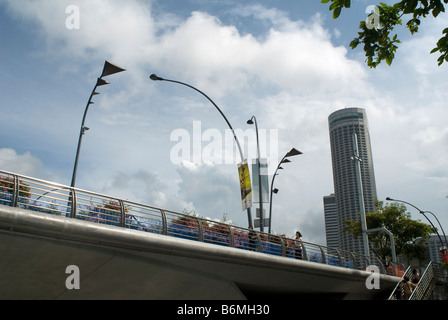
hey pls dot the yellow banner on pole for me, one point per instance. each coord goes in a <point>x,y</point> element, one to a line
<point>245,187</point>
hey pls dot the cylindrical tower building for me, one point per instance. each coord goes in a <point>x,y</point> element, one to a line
<point>343,124</point>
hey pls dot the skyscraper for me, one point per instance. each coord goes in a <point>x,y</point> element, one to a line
<point>343,124</point>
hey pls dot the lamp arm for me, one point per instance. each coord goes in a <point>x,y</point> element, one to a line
<point>217,108</point>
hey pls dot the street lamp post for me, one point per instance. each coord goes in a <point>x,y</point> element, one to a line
<point>362,207</point>
<point>292,152</point>
<point>108,69</point>
<point>157,78</point>
<point>252,121</point>
<point>423,213</point>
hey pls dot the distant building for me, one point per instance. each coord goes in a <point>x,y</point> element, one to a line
<point>331,221</point>
<point>432,253</point>
<point>342,125</point>
<point>433,244</point>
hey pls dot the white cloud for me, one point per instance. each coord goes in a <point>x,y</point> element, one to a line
<point>25,164</point>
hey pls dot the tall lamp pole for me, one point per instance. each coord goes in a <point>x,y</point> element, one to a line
<point>157,78</point>
<point>362,208</point>
<point>108,69</point>
<point>423,213</point>
<point>292,152</point>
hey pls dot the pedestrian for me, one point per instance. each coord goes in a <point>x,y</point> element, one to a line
<point>415,277</point>
<point>298,253</point>
<point>408,288</point>
<point>252,238</point>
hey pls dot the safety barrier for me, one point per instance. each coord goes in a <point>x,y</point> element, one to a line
<point>424,286</point>
<point>397,293</point>
<point>56,199</point>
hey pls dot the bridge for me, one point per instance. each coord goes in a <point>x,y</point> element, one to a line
<point>127,250</point>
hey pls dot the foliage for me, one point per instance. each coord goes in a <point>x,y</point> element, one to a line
<point>379,44</point>
<point>7,186</point>
<point>190,219</point>
<point>444,266</point>
<point>109,212</point>
<point>113,205</point>
<point>406,231</point>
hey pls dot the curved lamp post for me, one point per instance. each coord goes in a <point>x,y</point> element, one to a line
<point>292,152</point>
<point>108,69</point>
<point>157,78</point>
<point>423,213</point>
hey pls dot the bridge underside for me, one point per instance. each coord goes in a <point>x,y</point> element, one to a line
<point>116,263</point>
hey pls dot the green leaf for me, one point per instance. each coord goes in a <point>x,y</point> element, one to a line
<point>324,1</point>
<point>336,12</point>
<point>334,5</point>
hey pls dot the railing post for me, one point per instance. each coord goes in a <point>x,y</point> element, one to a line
<point>72,201</point>
<point>324,258</point>
<point>200,230</point>
<point>304,255</point>
<point>382,267</point>
<point>122,214</point>
<point>339,258</point>
<point>259,244</point>
<point>353,260</point>
<point>164,223</point>
<point>283,252</point>
<point>232,237</point>
<point>367,259</point>
<point>15,195</point>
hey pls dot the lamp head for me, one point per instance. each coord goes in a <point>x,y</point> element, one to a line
<point>155,77</point>
<point>250,121</point>
<point>388,199</point>
<point>293,152</point>
<point>101,82</point>
<point>275,190</point>
<point>110,68</point>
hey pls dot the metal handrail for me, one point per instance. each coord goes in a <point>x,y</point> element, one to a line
<point>53,198</point>
<point>399,286</point>
<point>424,283</point>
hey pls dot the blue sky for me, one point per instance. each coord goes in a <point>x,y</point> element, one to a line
<point>286,62</point>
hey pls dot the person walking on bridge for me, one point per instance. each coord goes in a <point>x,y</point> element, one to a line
<point>298,253</point>
<point>408,287</point>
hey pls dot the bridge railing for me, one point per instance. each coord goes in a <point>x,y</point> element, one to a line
<point>56,199</point>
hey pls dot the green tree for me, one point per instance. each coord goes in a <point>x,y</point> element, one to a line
<point>379,43</point>
<point>406,231</point>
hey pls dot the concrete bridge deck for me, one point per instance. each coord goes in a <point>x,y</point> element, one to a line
<point>120,263</point>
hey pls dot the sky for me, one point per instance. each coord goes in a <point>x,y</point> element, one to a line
<point>288,63</point>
